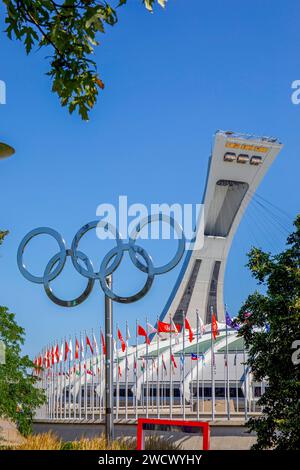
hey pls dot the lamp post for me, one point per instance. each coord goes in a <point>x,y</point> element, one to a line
<point>6,151</point>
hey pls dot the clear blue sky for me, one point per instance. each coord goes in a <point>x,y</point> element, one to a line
<point>172,79</point>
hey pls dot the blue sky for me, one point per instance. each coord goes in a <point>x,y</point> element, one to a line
<point>172,79</point>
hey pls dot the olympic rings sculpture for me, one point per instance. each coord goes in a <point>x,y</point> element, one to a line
<point>109,264</point>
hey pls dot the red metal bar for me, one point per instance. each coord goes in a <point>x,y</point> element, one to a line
<point>170,422</point>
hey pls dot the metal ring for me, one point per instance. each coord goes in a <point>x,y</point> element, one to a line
<point>181,243</point>
<point>61,255</point>
<point>81,232</point>
<point>150,272</point>
<point>81,298</point>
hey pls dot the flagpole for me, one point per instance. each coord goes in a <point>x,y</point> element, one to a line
<point>126,374</point>
<point>152,383</point>
<point>136,369</point>
<point>202,379</point>
<point>50,380</point>
<point>227,372</point>
<point>79,388</point>
<point>245,385</point>
<point>197,352</point>
<point>171,375</point>
<point>69,383</point>
<point>183,364</point>
<point>147,375</point>
<point>157,375</point>
<point>236,382</point>
<point>212,370</point>
<point>85,380</point>
<point>117,374</point>
<point>61,354</point>
<point>100,376</point>
<point>93,382</point>
<point>65,386</point>
<point>74,381</point>
<point>57,389</point>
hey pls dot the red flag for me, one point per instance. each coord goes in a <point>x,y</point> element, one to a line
<point>214,326</point>
<point>57,353</point>
<point>123,344</point>
<point>67,350</point>
<point>76,349</point>
<point>52,356</point>
<point>88,343</point>
<point>164,327</point>
<point>142,332</point>
<point>103,344</point>
<point>188,327</point>
<point>47,359</point>
<point>173,360</point>
<point>120,372</point>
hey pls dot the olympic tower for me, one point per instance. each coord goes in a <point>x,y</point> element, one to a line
<point>236,167</point>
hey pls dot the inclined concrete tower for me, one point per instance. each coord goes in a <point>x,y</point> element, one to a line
<point>236,167</point>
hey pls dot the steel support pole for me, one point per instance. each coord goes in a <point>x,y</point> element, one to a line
<point>109,423</point>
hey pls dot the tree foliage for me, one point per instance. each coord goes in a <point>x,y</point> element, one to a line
<point>18,395</point>
<point>70,29</point>
<point>270,333</point>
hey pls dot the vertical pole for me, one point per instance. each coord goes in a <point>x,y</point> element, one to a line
<point>192,386</point>
<point>157,375</point>
<point>109,431</point>
<point>183,364</point>
<point>202,380</point>
<point>245,385</point>
<point>100,378</point>
<point>74,379</point>
<point>197,353</point>
<point>65,388</point>
<point>227,375</point>
<point>212,369</point>
<point>147,373</point>
<point>61,379</point>
<point>93,380</point>
<point>171,374</point>
<point>126,374</point>
<point>80,378</point>
<point>136,369</point>
<point>236,383</point>
<point>152,383</point>
<point>117,376</point>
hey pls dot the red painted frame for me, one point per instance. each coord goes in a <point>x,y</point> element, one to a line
<point>171,422</point>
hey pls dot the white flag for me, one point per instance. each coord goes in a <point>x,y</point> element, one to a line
<point>61,354</point>
<point>95,344</point>
<point>174,327</point>
<point>127,333</point>
<point>201,326</point>
<point>82,349</point>
<point>71,350</point>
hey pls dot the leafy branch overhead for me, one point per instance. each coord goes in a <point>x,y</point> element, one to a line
<point>70,29</point>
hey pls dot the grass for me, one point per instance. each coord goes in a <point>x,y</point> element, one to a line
<point>49,441</point>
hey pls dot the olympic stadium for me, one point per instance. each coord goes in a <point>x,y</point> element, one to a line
<point>196,367</point>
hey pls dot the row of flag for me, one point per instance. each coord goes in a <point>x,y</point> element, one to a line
<point>64,352</point>
<point>61,353</point>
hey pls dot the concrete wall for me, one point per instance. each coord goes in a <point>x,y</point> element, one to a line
<point>224,435</point>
